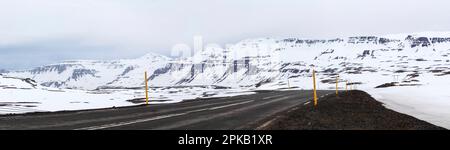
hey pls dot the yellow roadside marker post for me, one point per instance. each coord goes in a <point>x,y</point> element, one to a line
<point>346,84</point>
<point>337,79</point>
<point>289,85</point>
<point>351,86</point>
<point>314,83</point>
<point>146,88</point>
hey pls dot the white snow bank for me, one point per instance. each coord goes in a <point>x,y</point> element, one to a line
<point>429,102</point>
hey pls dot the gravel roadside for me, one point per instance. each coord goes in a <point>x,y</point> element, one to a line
<point>353,110</point>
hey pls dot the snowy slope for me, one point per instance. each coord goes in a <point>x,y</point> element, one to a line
<point>254,62</point>
<point>91,74</point>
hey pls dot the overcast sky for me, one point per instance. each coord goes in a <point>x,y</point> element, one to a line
<point>36,32</point>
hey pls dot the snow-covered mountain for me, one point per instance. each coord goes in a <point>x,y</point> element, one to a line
<point>263,62</point>
<point>91,74</point>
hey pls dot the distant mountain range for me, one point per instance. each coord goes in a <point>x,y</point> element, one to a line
<point>365,60</point>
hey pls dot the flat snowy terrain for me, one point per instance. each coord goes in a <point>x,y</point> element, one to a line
<point>429,102</point>
<point>19,96</point>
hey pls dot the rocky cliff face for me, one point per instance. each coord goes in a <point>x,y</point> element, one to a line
<point>259,62</point>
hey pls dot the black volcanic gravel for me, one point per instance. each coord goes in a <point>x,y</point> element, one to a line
<point>353,110</point>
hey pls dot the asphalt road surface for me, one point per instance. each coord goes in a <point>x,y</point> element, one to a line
<point>238,112</point>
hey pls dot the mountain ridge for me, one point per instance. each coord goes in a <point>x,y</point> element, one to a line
<point>252,62</point>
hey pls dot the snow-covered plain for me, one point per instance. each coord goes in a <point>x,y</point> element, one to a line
<point>18,96</point>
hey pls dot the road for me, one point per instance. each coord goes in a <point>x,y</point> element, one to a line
<point>238,112</point>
